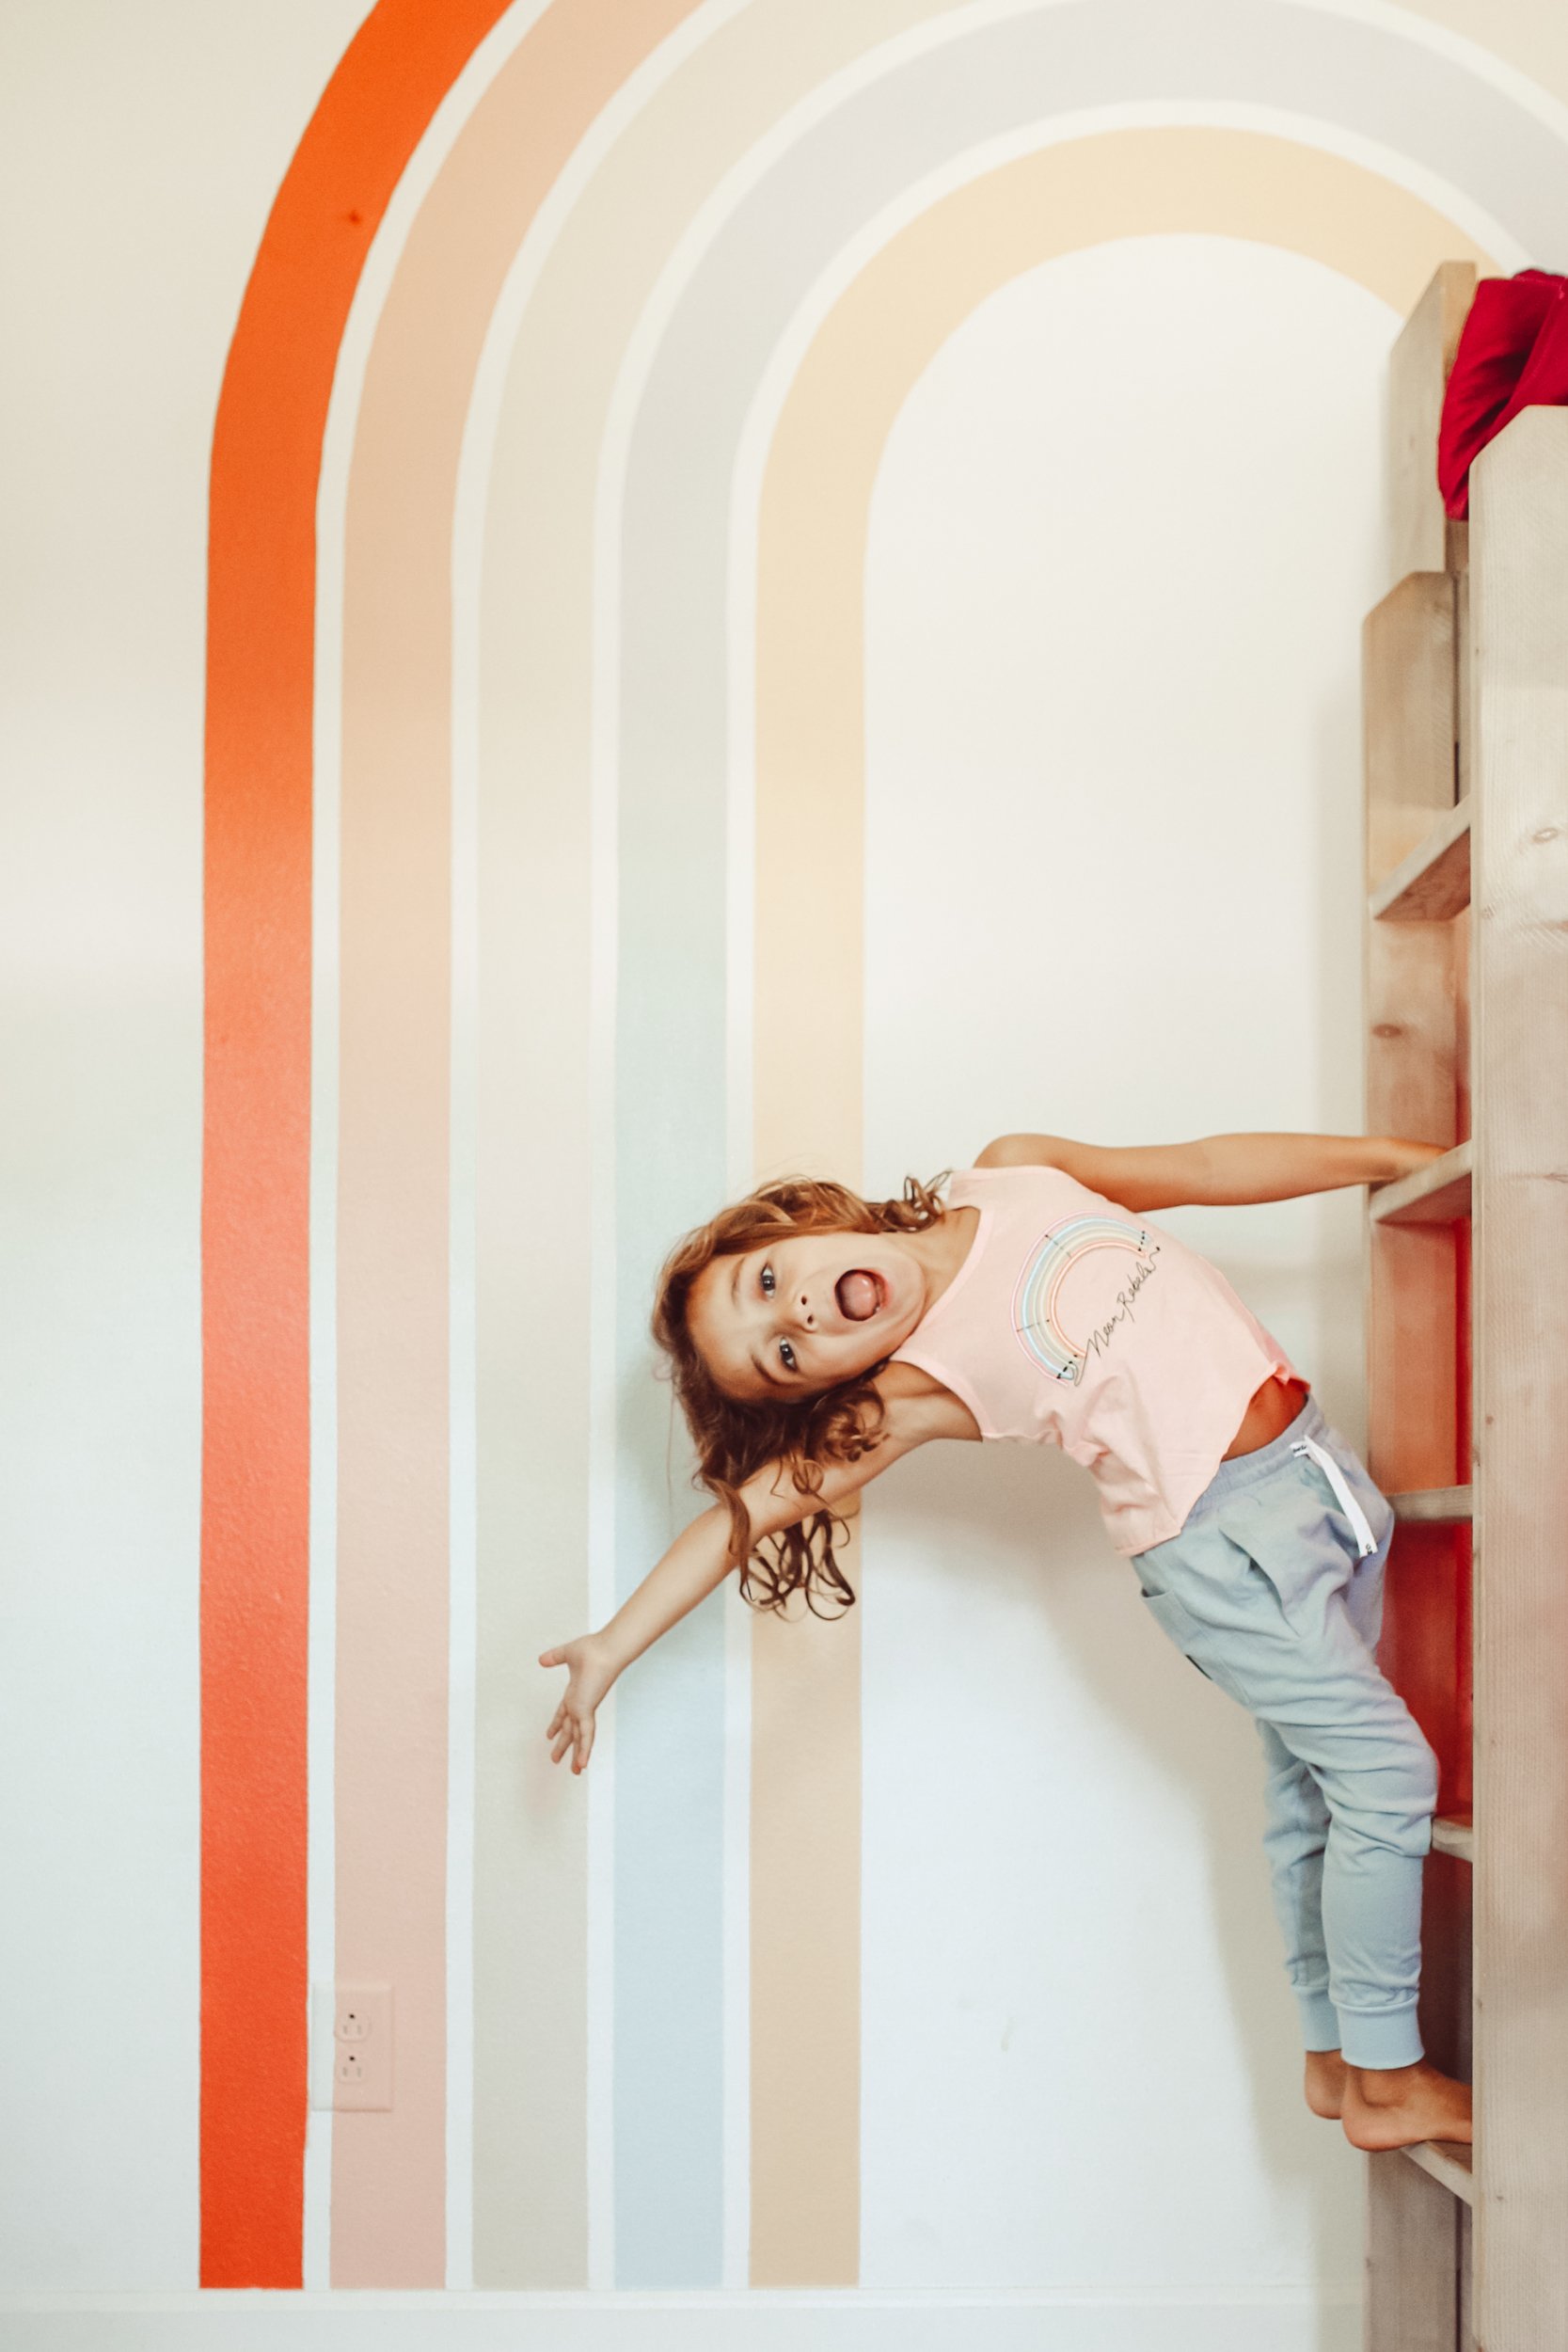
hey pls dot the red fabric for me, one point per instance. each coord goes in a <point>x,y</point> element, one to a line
<point>1512,354</point>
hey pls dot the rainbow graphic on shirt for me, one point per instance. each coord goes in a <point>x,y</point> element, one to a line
<point>1036,1317</point>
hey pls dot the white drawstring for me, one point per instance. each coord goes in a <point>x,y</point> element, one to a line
<point>1336,1478</point>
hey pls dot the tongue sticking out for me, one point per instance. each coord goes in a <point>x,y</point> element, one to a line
<point>856,1293</point>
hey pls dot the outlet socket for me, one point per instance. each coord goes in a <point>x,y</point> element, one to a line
<point>351,2050</point>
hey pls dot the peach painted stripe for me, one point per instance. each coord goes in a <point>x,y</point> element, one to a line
<point>389,2168</point>
<point>810,800</point>
<point>266,453</point>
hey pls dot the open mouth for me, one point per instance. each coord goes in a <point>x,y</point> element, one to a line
<point>859,1295</point>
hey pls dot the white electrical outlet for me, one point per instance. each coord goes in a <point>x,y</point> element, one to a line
<point>351,2046</point>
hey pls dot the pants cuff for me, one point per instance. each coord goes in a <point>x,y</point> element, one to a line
<point>1320,2021</point>
<point>1381,2037</point>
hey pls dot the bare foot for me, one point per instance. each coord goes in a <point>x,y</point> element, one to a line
<point>1394,2106</point>
<point>1326,2082</point>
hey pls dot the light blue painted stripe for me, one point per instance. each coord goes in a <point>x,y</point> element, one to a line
<point>670,1150</point>
<point>1002,76</point>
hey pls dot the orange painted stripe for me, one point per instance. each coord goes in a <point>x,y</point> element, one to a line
<point>255,1227</point>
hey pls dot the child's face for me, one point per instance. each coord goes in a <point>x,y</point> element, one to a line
<point>803,1313</point>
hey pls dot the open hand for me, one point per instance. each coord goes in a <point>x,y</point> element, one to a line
<point>589,1676</point>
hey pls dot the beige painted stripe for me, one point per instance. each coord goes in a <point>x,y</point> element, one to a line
<point>389,2168</point>
<point>809,1028</point>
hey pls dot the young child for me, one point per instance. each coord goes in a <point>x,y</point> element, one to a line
<point>816,1337</point>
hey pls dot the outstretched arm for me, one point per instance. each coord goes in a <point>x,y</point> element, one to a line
<point>1217,1168</point>
<point>696,1562</point>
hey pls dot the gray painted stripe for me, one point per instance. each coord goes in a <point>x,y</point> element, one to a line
<point>670,1147</point>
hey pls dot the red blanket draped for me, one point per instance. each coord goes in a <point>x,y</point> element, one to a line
<point>1512,354</point>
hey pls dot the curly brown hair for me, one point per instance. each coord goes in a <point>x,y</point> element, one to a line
<point>734,1438</point>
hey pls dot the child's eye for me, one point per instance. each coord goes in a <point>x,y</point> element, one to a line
<point>787,1355</point>
<point>767,1281</point>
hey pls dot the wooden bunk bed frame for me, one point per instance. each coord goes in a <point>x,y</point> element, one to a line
<point>1466,707</point>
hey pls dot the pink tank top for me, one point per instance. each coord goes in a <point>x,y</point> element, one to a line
<point>1073,1323</point>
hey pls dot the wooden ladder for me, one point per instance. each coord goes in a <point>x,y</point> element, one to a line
<point>1466,688</point>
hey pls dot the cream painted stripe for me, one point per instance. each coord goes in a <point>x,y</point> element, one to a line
<point>810,804</point>
<point>464,1531</point>
<point>604,1273</point>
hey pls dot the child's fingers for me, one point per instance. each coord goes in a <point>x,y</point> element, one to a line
<point>562,1744</point>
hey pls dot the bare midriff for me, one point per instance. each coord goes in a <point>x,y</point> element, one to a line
<point>1271,1408</point>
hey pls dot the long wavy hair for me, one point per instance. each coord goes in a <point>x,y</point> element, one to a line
<point>734,1438</point>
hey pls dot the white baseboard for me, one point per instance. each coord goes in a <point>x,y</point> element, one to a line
<point>803,2320</point>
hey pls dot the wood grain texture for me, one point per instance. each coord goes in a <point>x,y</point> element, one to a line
<point>1519,947</point>
<point>1434,1506</point>
<point>1416,1085</point>
<point>1461,677</point>
<point>1419,532</point>
<point>1459,944</point>
<point>1467,2272</point>
<point>1433,881</point>
<point>1411,2258</point>
<point>1447,2162</point>
<point>1408,739</point>
<point>1455,1834</point>
<point>1409,718</point>
<point>1435,1195</point>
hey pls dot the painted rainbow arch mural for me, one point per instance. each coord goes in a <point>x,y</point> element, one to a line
<point>540,488</point>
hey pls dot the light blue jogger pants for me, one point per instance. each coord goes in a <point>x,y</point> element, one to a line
<point>1273,1588</point>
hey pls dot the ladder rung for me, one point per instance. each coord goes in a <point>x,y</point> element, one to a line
<point>1448,2161</point>
<point>1433,881</point>
<point>1433,1507</point>
<point>1456,1834</point>
<point>1438,1194</point>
